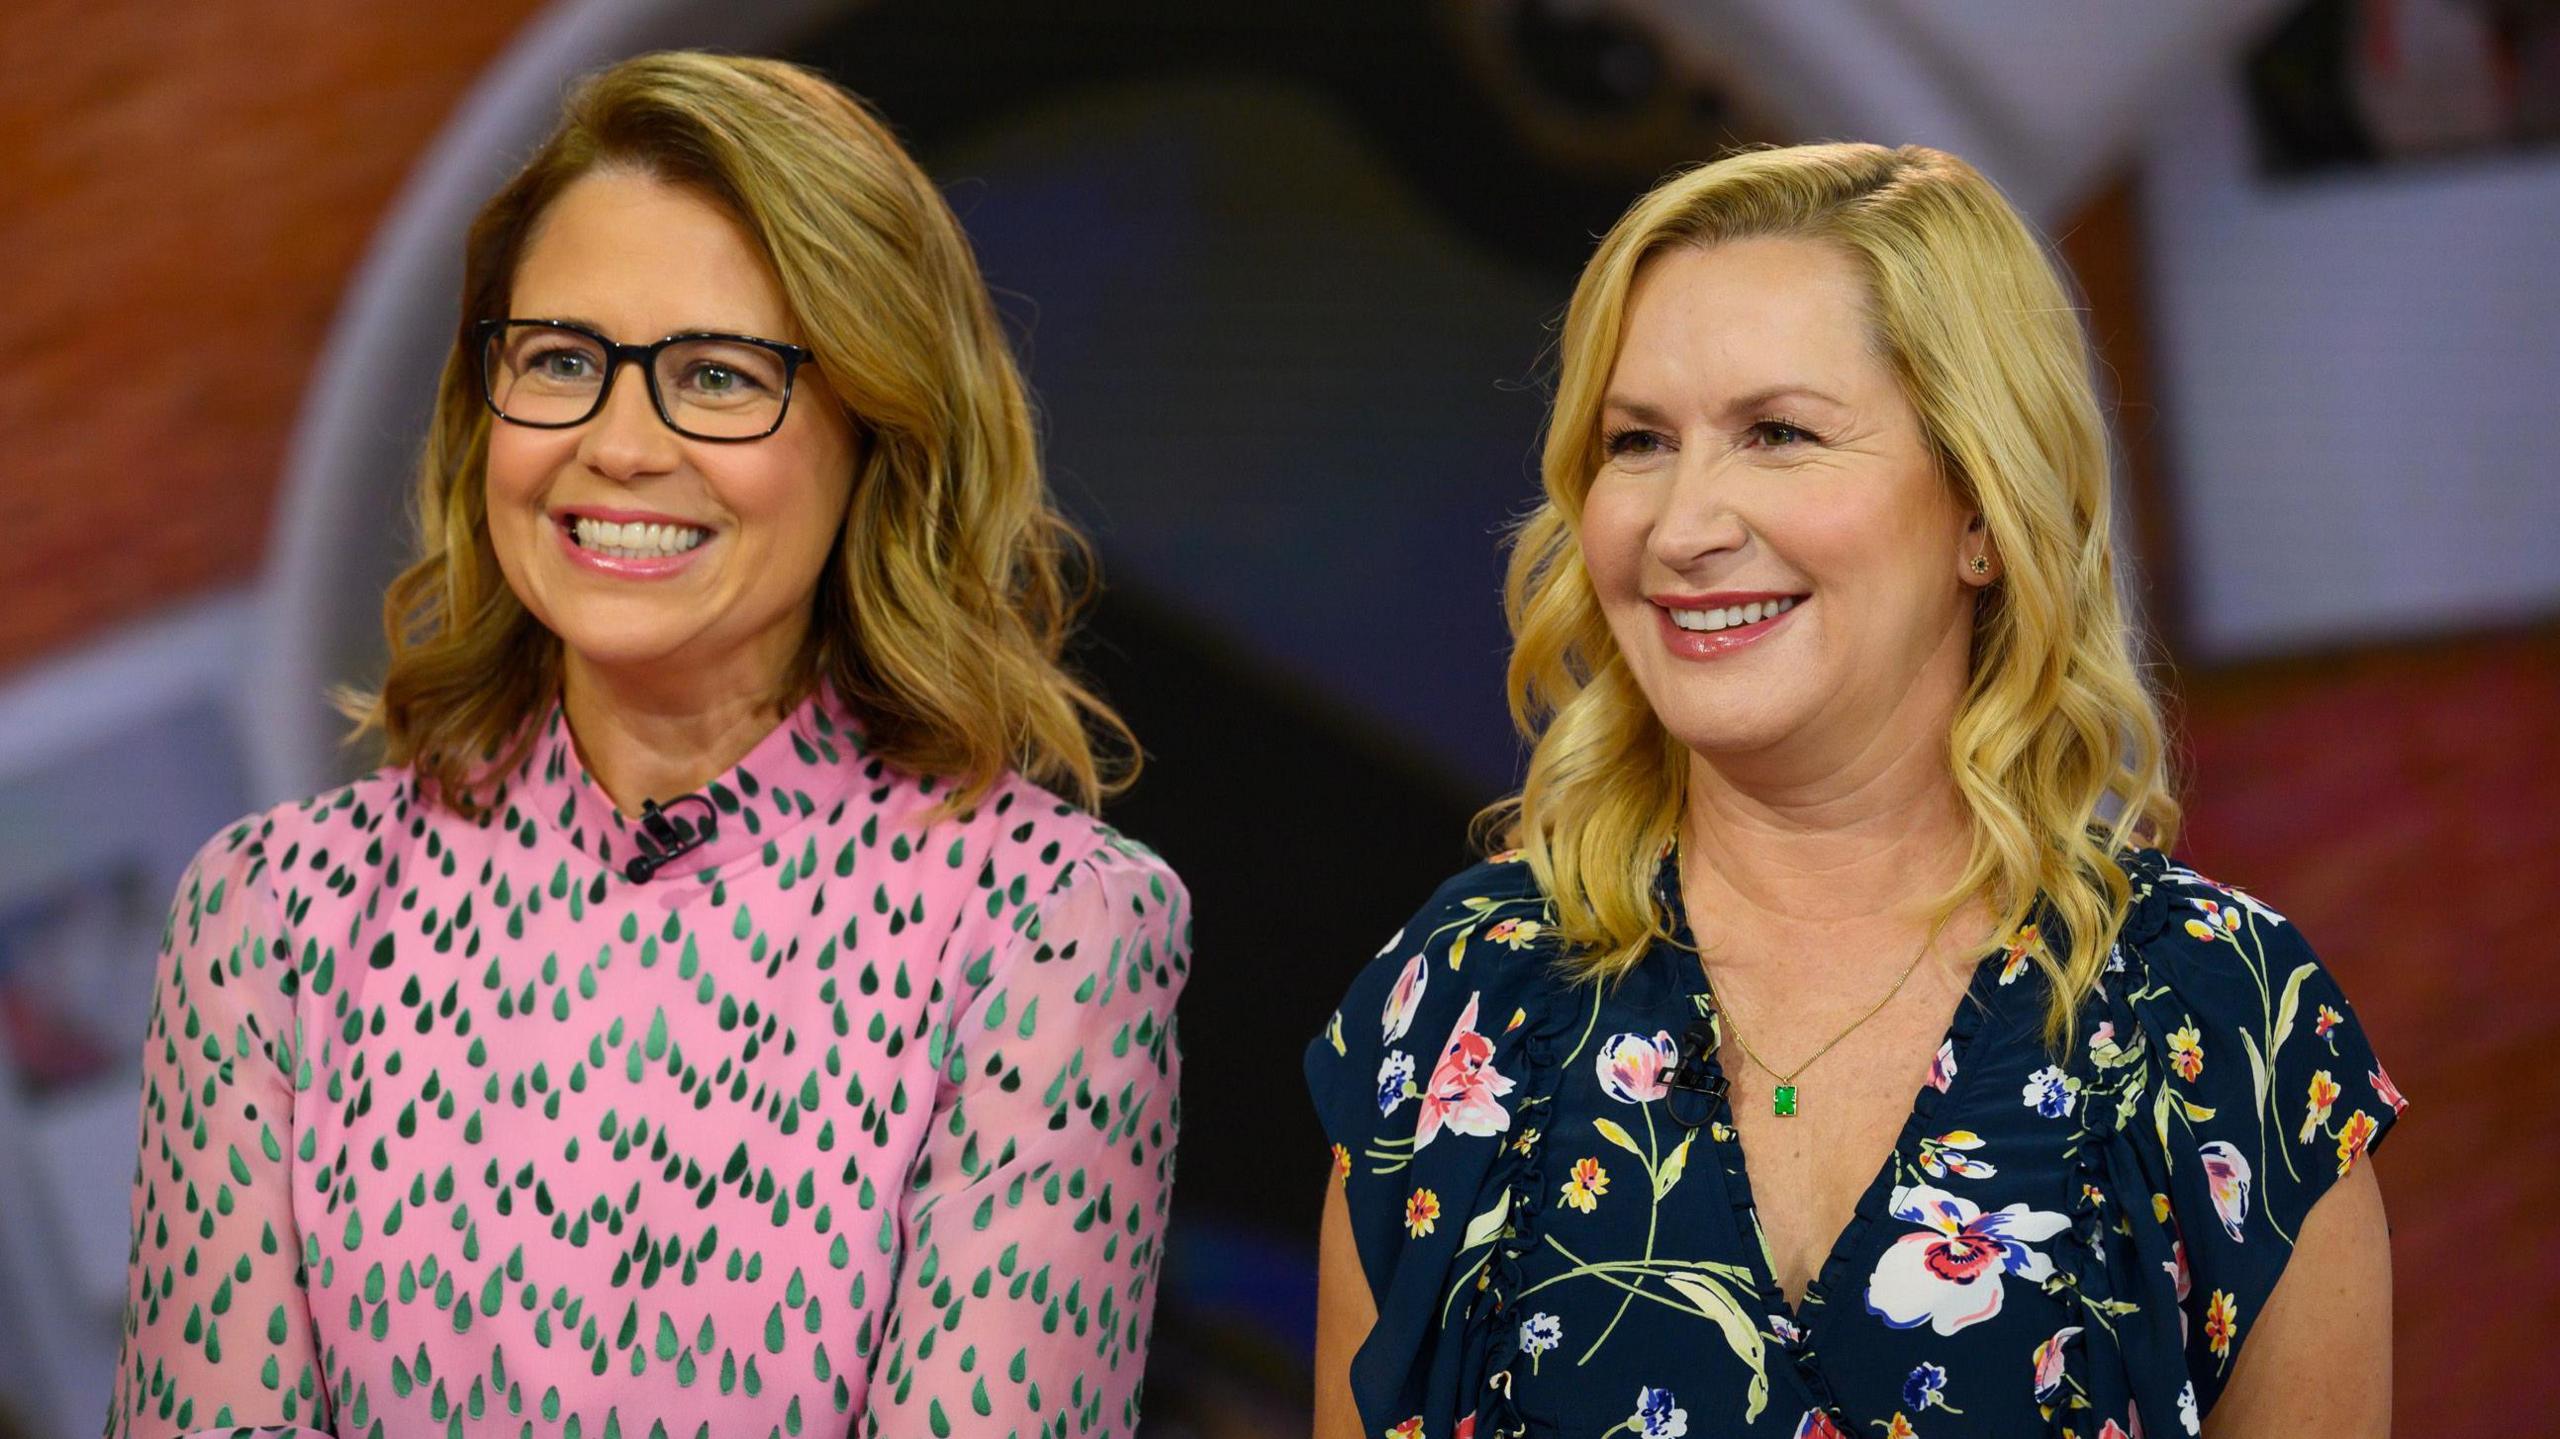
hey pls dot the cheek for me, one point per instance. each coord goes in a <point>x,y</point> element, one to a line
<point>1613,531</point>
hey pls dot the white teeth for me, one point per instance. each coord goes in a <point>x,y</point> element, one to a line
<point>1710,621</point>
<point>634,541</point>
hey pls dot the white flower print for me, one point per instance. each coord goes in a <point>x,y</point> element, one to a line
<point>1395,1081</point>
<point>1540,1333</point>
<point>1656,1416</point>
<point>1404,999</point>
<point>2050,1092</point>
<point>1951,1273</point>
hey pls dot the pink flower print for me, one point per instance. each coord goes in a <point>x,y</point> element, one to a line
<point>1464,1093</point>
<point>1409,1429</point>
<point>2049,1364</point>
<point>2111,1430</point>
<point>1632,1067</point>
<point>1817,1425</point>
<point>1950,1274</point>
<point>1404,999</point>
<point>2226,1174</point>
<point>1942,1066</point>
<point>2389,1091</point>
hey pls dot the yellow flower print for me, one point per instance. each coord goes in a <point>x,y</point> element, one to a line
<point>2186,1053</point>
<point>2354,1139</point>
<point>2160,1208</point>
<point>1588,1183</point>
<point>1341,1162</point>
<point>2219,922</point>
<point>1409,1429</point>
<point>1516,933</point>
<point>1527,1141</point>
<point>1900,1428</point>
<point>2221,1322</point>
<point>2022,950</point>
<point>2324,1092</point>
<point>1421,1212</point>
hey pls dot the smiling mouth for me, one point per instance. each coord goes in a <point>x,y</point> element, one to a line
<point>1707,622</point>
<point>633,541</point>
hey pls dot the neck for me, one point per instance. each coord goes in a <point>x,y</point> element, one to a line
<point>1856,839</point>
<point>647,740</point>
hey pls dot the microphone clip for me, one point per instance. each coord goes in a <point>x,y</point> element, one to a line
<point>1694,1088</point>
<point>663,839</point>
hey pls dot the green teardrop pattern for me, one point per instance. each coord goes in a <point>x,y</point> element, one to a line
<point>447,1128</point>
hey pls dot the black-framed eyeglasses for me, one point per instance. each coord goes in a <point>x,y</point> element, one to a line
<point>551,374</point>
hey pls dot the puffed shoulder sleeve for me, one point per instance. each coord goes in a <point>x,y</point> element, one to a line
<point>1035,1213</point>
<point>217,1332</point>
<point>2262,1093</point>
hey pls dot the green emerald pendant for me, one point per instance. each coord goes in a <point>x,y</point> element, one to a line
<point>1783,1104</point>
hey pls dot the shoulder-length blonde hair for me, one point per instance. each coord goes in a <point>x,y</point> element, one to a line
<point>2057,747</point>
<point>941,616</point>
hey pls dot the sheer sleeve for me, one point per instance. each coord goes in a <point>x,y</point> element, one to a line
<point>217,1332</point>
<point>1035,1212</point>
<point>2264,1095</point>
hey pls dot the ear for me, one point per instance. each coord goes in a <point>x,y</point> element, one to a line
<point>1977,559</point>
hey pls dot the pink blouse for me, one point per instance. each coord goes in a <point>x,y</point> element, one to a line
<point>850,1120</point>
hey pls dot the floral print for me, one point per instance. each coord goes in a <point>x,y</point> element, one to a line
<point>1657,1416</point>
<point>1951,1273</point>
<point>2059,1241</point>
<point>1632,1066</point>
<point>1583,1188</point>
<point>1465,1094</point>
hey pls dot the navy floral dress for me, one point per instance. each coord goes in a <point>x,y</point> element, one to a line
<point>2072,1246</point>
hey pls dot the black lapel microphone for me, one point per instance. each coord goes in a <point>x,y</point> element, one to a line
<point>663,840</point>
<point>1691,1076</point>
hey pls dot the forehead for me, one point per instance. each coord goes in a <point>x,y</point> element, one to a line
<point>1744,315</point>
<point>638,258</point>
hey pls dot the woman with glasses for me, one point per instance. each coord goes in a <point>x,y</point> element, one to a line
<point>1831,1050</point>
<point>723,1015</point>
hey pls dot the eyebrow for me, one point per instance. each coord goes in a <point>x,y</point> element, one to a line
<point>600,329</point>
<point>1645,414</point>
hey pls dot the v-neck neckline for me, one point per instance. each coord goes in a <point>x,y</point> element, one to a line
<point>1832,1275</point>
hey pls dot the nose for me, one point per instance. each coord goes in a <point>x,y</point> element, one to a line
<point>625,440</point>
<point>1698,517</point>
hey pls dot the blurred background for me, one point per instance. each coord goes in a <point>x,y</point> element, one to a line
<point>1285,279</point>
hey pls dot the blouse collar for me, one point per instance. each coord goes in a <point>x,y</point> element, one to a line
<point>808,764</point>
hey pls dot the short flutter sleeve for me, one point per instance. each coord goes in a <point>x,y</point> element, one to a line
<point>2261,1093</point>
<point>217,1326</point>
<point>1428,1082</point>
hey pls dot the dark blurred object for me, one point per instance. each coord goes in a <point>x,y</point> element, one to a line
<point>2354,84</point>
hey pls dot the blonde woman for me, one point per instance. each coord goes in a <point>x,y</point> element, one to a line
<point>1833,1050</point>
<point>723,1015</point>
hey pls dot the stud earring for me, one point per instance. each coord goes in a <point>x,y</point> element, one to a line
<point>1981,565</point>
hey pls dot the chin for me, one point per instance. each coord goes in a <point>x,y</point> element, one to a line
<point>1710,729</point>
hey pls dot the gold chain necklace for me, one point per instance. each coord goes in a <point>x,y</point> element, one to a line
<point>1782,1099</point>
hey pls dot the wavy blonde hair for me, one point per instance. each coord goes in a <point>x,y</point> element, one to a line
<point>941,616</point>
<point>2057,745</point>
